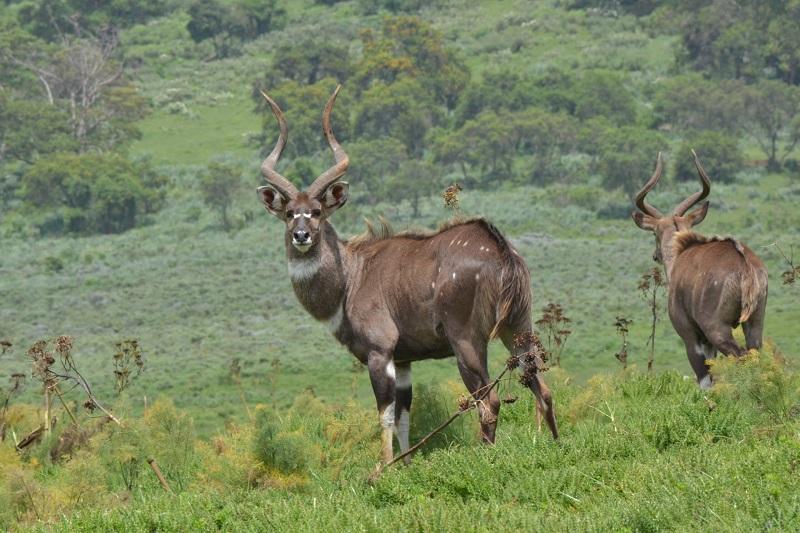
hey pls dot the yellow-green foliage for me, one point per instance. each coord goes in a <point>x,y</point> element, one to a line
<point>762,379</point>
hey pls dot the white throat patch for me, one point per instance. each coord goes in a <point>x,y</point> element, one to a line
<point>303,269</point>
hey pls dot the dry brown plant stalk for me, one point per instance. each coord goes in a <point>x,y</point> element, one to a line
<point>554,323</point>
<point>450,196</point>
<point>43,362</point>
<point>649,284</point>
<point>621,324</point>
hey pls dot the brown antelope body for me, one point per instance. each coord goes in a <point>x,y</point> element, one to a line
<point>715,283</point>
<point>396,299</point>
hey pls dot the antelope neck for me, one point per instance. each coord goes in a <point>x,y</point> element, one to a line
<point>319,275</point>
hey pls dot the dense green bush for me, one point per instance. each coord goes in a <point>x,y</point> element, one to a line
<point>624,156</point>
<point>90,193</point>
<point>719,153</point>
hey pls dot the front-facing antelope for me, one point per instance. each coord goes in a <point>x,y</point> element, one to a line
<point>715,283</point>
<point>392,300</point>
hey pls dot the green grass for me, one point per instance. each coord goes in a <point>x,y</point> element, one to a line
<point>193,137</point>
<point>637,453</point>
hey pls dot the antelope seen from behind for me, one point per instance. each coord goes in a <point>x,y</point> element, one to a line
<point>395,299</point>
<point>714,283</point>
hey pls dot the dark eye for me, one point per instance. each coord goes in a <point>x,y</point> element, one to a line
<point>290,214</point>
<point>316,213</point>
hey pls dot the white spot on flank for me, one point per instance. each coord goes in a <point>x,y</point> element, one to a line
<point>477,277</point>
<point>303,269</point>
<point>390,372</point>
<point>433,284</point>
<point>403,377</point>
<point>705,383</point>
<point>481,248</point>
<point>454,276</point>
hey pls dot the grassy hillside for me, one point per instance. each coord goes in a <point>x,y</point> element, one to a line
<point>225,340</point>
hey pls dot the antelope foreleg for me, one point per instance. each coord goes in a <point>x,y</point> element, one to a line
<point>382,377</point>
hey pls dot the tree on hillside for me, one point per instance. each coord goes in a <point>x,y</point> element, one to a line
<point>29,130</point>
<point>309,61</point>
<point>403,110</point>
<point>690,102</point>
<point>57,20</point>
<point>373,162</point>
<point>546,136</point>
<point>226,26</point>
<point>622,155</point>
<point>410,47</point>
<point>783,43</point>
<point>602,93</point>
<point>720,153</point>
<point>87,193</point>
<point>487,144</point>
<point>723,37</point>
<point>302,106</point>
<point>218,185</point>
<point>415,179</point>
<point>83,77</point>
<point>773,118</point>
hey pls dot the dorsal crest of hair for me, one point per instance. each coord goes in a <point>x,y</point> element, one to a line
<point>383,231</point>
<point>686,239</point>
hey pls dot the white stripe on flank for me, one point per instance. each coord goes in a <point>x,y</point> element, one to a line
<point>303,269</point>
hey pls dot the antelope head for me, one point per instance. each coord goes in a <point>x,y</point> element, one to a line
<point>666,226</point>
<point>304,212</point>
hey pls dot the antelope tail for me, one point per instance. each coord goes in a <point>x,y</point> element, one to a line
<point>754,283</point>
<point>514,302</point>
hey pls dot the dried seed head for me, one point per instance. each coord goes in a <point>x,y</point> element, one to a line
<point>463,403</point>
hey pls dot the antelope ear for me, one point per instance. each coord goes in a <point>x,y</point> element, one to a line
<point>335,196</point>
<point>696,216</point>
<point>645,222</point>
<point>274,201</point>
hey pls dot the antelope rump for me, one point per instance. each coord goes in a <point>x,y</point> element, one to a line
<point>396,299</point>
<point>714,283</point>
